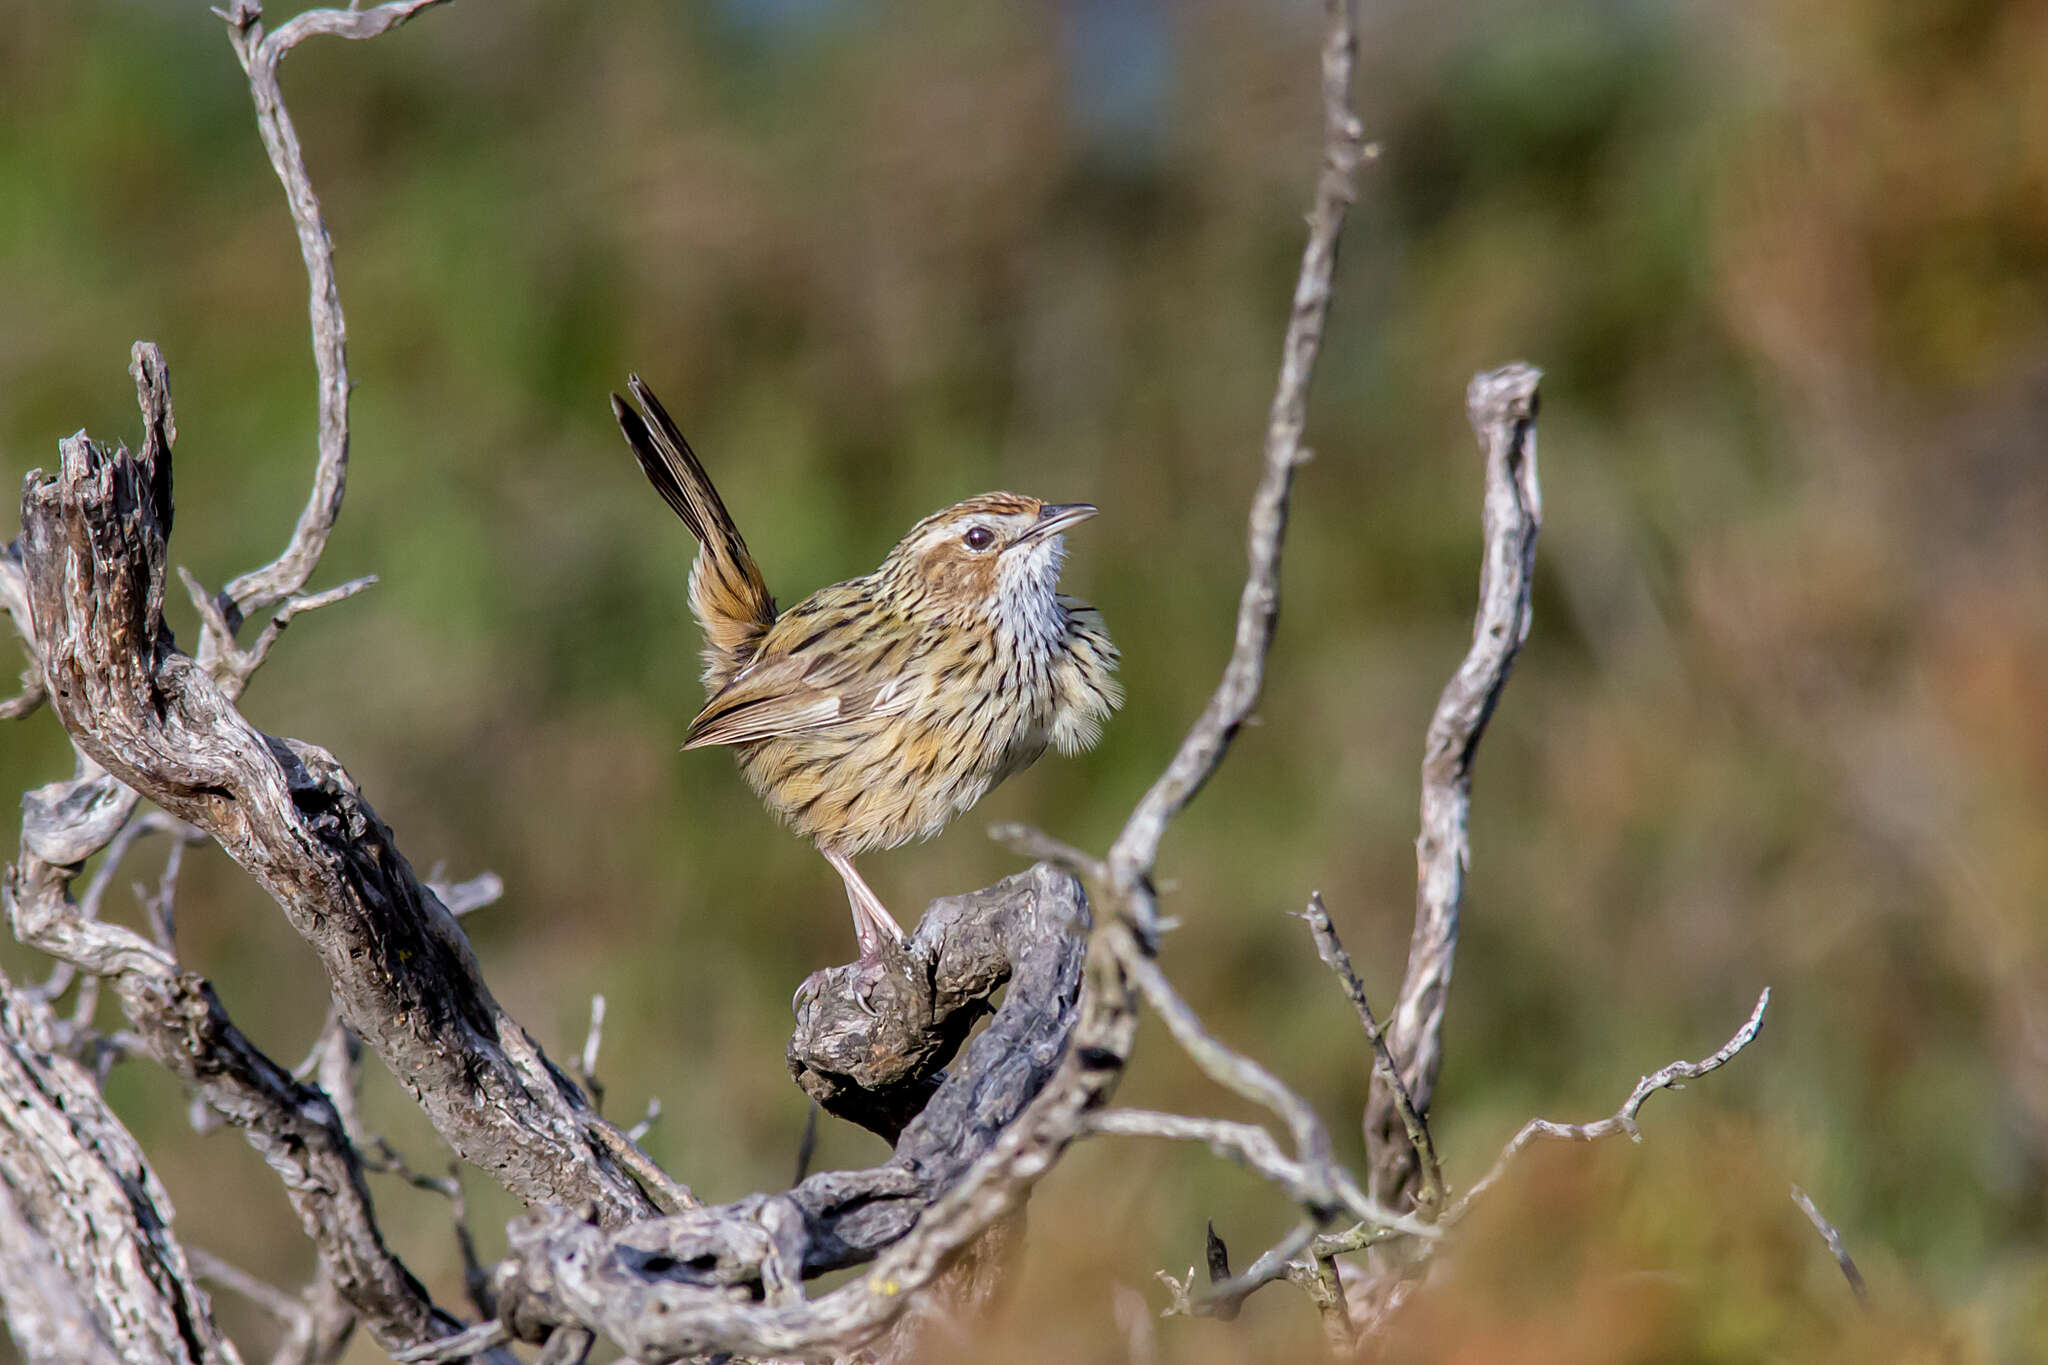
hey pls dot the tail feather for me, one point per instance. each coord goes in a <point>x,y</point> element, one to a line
<point>727,593</point>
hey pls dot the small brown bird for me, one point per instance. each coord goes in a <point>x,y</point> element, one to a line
<point>876,710</point>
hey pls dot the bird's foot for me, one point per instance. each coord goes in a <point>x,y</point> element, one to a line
<point>869,973</point>
<point>809,989</point>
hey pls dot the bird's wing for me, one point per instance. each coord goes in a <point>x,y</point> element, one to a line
<point>815,670</point>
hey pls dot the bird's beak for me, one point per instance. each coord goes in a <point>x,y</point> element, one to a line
<point>1054,518</point>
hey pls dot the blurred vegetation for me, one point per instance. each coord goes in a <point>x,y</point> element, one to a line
<point>1782,719</point>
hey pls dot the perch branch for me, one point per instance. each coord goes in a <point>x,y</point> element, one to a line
<point>687,1284</point>
<point>1502,408</point>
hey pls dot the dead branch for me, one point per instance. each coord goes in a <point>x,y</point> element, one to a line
<point>1502,407</point>
<point>1623,1120</point>
<point>260,54</point>
<point>697,1282</point>
<point>298,1131</point>
<point>89,1268</point>
<point>93,547</point>
<point>1136,850</point>
<point>1330,949</point>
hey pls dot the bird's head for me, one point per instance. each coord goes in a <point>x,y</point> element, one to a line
<point>996,552</point>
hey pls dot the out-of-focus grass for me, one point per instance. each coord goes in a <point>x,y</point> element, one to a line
<point>1781,720</point>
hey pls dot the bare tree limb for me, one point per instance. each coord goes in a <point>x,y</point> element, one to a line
<point>1623,1120</point>
<point>295,1127</point>
<point>89,1267</point>
<point>93,546</point>
<point>1502,407</point>
<point>1136,850</point>
<point>260,54</point>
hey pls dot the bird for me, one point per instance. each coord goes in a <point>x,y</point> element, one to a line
<point>876,710</point>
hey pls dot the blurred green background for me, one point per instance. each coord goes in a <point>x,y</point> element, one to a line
<point>1782,719</point>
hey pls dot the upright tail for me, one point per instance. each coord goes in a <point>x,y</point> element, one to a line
<point>727,593</point>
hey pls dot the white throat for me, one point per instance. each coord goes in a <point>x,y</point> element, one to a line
<point>1028,614</point>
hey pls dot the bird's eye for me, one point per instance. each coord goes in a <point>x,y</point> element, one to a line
<point>979,538</point>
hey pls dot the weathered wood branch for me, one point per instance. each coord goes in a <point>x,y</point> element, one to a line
<point>89,1268</point>
<point>703,1282</point>
<point>260,53</point>
<point>1201,751</point>
<point>884,1070</point>
<point>92,550</point>
<point>1502,407</point>
<point>294,1126</point>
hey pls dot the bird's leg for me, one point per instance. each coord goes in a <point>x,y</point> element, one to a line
<point>872,924</point>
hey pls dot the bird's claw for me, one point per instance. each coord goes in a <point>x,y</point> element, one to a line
<point>807,990</point>
<point>868,975</point>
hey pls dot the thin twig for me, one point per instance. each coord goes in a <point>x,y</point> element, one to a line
<point>470,1341</point>
<point>1838,1248</point>
<point>1229,1294</point>
<point>288,1309</point>
<point>1623,1120</point>
<point>161,906</point>
<point>252,658</point>
<point>1027,842</point>
<point>1137,848</point>
<point>1317,1276</point>
<point>462,898</point>
<point>639,1131</point>
<point>669,1193</point>
<point>1331,949</point>
<point>1247,1144</point>
<point>1240,1075</point>
<point>586,1064</point>
<point>131,829</point>
<point>1357,1237</point>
